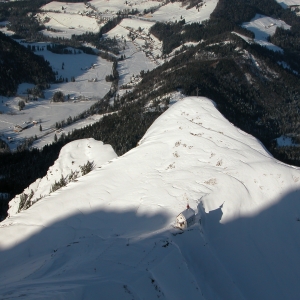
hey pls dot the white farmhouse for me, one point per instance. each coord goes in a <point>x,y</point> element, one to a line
<point>186,218</point>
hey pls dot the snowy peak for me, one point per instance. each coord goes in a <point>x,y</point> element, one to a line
<point>200,138</point>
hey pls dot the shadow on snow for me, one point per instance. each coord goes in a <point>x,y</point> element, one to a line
<point>133,256</point>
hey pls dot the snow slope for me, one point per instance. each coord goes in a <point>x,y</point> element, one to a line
<point>136,58</point>
<point>71,157</point>
<point>76,18</point>
<point>172,12</point>
<point>83,67</point>
<point>110,236</point>
<point>68,24</point>
<point>102,6</point>
<point>263,27</point>
<point>286,3</point>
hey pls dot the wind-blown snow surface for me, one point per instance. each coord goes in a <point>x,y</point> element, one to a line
<point>71,157</point>
<point>110,234</point>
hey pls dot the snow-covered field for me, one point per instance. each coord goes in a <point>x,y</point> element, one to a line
<point>128,24</point>
<point>133,64</point>
<point>83,67</point>
<point>144,53</point>
<point>66,8</point>
<point>76,18</point>
<point>110,236</point>
<point>68,19</point>
<point>140,30</point>
<point>71,157</point>
<point>263,27</point>
<point>116,5</point>
<point>286,3</point>
<point>175,12</point>
<point>68,24</point>
<point>50,136</point>
<point>104,7</point>
<point>137,56</point>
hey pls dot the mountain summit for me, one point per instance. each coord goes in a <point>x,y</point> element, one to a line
<point>111,234</point>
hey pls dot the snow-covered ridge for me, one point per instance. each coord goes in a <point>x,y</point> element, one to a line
<point>71,157</point>
<point>110,233</point>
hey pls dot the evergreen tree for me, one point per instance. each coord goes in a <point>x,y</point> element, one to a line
<point>21,104</point>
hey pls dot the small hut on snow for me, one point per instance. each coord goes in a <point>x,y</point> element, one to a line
<point>186,218</point>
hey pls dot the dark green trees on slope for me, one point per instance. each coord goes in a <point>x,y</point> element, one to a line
<point>18,64</point>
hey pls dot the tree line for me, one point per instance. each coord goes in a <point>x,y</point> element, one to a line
<point>20,65</point>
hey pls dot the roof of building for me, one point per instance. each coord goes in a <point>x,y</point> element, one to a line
<point>188,213</point>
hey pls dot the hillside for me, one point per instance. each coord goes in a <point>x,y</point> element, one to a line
<point>67,168</point>
<point>243,54</point>
<point>255,88</point>
<point>110,233</point>
<point>18,65</point>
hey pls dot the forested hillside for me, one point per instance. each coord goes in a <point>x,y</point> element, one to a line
<point>249,86</point>
<point>239,11</point>
<point>18,65</point>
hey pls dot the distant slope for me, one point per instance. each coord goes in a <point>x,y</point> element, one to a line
<point>286,3</point>
<point>110,234</point>
<point>18,64</point>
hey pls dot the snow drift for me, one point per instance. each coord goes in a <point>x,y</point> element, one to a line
<point>111,235</point>
<point>71,158</point>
